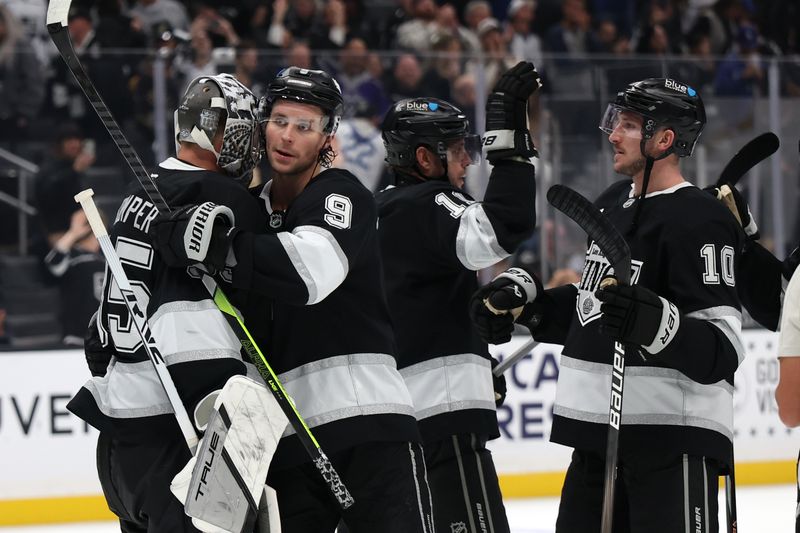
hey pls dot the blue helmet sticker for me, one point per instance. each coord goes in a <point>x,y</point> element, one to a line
<point>433,106</point>
<point>691,92</point>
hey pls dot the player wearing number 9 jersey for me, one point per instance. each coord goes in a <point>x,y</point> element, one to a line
<point>328,334</point>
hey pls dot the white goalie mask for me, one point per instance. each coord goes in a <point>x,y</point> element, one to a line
<point>221,100</point>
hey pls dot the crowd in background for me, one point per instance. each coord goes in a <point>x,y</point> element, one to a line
<point>379,51</point>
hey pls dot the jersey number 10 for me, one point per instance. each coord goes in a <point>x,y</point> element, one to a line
<point>711,275</point>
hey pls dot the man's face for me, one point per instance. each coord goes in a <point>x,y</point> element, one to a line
<point>458,159</point>
<point>626,136</point>
<point>294,137</point>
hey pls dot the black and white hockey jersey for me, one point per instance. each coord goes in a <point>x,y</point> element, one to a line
<point>80,282</point>
<point>433,239</point>
<point>200,350</point>
<point>686,249</point>
<point>329,338</point>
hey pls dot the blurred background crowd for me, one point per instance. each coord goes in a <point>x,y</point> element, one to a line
<point>742,56</point>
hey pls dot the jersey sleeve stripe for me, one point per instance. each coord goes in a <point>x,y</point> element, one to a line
<point>317,258</point>
<point>729,321</point>
<point>129,390</point>
<point>476,243</point>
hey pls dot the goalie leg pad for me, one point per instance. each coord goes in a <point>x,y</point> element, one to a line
<point>222,485</point>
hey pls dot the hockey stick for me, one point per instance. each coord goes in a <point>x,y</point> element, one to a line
<point>748,156</point>
<point>57,14</point>
<point>509,361</point>
<point>616,250</point>
<point>136,310</point>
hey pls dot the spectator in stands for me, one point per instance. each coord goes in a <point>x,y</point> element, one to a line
<point>218,29</point>
<point>151,13</point>
<point>496,57</point>
<point>699,70</point>
<point>740,73</point>
<point>21,80</point>
<point>573,34</point>
<point>247,67</point>
<point>299,55</point>
<point>445,67</point>
<point>201,60</point>
<point>523,43</point>
<point>464,96</point>
<point>447,24</point>
<point>323,30</point>
<point>76,262</point>
<point>60,178</point>
<point>359,88</point>
<point>405,79</point>
<point>720,22</point>
<point>474,12</point>
<point>416,33</point>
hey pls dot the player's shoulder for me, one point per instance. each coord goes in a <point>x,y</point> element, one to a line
<point>615,194</point>
<point>697,206</point>
<point>337,180</point>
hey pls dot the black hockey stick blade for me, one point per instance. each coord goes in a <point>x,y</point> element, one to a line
<point>751,154</point>
<point>597,227</point>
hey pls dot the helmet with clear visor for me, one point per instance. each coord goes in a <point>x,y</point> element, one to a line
<point>661,103</point>
<point>438,125</point>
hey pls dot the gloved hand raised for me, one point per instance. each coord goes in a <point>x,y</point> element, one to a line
<point>507,133</point>
<point>633,314</point>
<point>733,200</point>
<point>496,305</point>
<point>195,234</point>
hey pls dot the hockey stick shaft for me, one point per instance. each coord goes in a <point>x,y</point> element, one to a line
<point>730,497</point>
<point>57,13</point>
<point>511,360</point>
<point>614,247</point>
<point>137,311</point>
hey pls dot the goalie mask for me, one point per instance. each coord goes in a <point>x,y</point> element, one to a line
<point>662,102</point>
<point>428,122</point>
<point>221,101</point>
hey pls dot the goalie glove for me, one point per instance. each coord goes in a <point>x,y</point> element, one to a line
<point>733,200</point>
<point>495,306</point>
<point>633,314</point>
<point>507,133</point>
<point>196,234</point>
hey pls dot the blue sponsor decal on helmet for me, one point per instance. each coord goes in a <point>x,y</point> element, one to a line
<point>433,106</point>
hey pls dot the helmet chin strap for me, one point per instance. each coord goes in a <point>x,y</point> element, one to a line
<point>648,168</point>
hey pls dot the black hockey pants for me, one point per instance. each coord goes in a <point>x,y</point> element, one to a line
<point>654,494</point>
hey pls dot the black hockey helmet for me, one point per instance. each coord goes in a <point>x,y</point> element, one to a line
<point>315,87</point>
<point>221,101</point>
<point>662,102</point>
<point>428,122</point>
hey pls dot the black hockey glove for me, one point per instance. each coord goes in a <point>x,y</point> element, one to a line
<point>733,200</point>
<point>499,383</point>
<point>633,314</point>
<point>97,356</point>
<point>195,234</point>
<point>507,132</point>
<point>495,306</point>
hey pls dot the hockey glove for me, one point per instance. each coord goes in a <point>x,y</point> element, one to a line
<point>733,200</point>
<point>496,306</point>
<point>97,356</point>
<point>633,314</point>
<point>499,384</point>
<point>507,133</point>
<point>195,234</point>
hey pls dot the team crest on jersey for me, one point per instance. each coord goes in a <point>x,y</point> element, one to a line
<point>458,527</point>
<point>595,268</point>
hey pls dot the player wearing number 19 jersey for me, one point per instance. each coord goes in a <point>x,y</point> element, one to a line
<point>434,237</point>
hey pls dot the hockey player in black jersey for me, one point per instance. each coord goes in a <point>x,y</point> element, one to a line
<point>680,316</point>
<point>330,338</point>
<point>434,237</point>
<point>140,447</point>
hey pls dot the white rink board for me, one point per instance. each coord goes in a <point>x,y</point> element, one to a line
<point>47,452</point>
